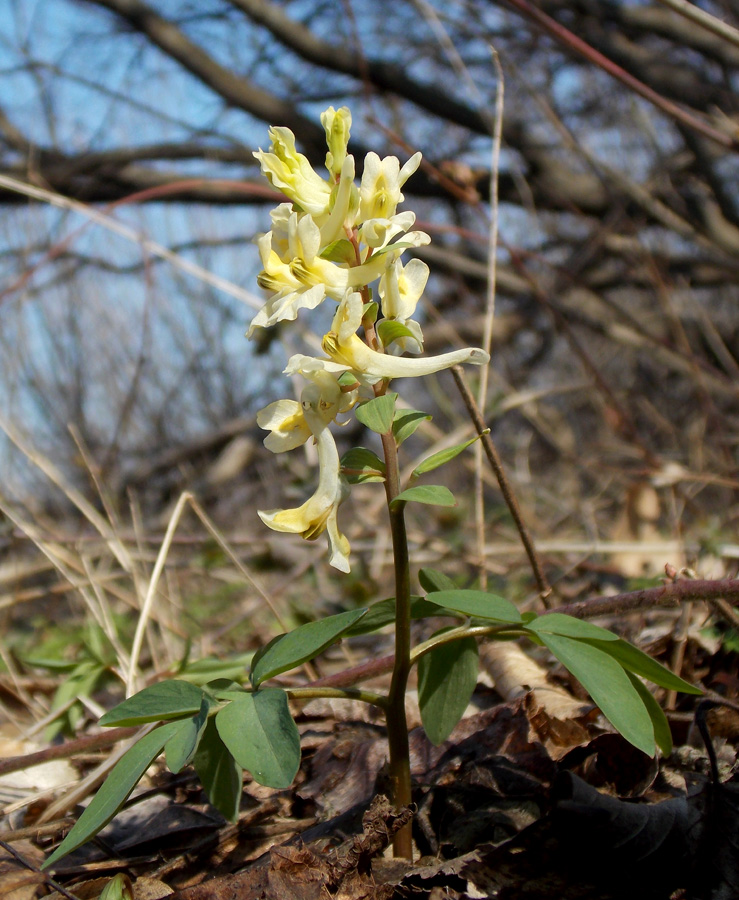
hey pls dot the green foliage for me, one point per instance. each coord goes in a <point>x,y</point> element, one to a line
<point>431,494</point>
<point>432,580</point>
<point>340,251</point>
<point>383,613</point>
<point>607,667</point>
<point>115,789</point>
<point>447,676</point>
<point>361,466</point>
<point>287,651</point>
<point>405,423</point>
<point>164,700</point>
<point>479,604</point>
<point>219,773</point>
<point>609,686</point>
<point>443,456</point>
<point>180,748</point>
<point>569,626</point>
<point>87,672</point>
<point>377,414</point>
<point>259,732</point>
<point>389,330</point>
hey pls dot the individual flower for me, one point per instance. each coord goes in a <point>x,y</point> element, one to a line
<point>320,512</point>
<point>344,346</point>
<point>334,398</point>
<point>293,270</point>
<point>336,124</point>
<point>400,289</point>
<point>291,172</point>
<point>299,276</point>
<point>382,179</point>
<point>379,232</point>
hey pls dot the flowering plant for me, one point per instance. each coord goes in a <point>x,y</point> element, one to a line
<point>332,241</point>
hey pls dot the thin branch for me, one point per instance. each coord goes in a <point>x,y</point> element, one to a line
<point>505,487</point>
<point>578,45</point>
<point>704,19</point>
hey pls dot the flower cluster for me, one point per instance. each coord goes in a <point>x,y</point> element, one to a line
<point>333,240</point>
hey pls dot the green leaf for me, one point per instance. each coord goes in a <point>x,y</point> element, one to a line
<point>340,251</point>
<point>287,651</point>
<point>479,604</point>
<point>377,414</point>
<point>382,613</point>
<point>443,456</point>
<point>406,421</point>
<point>447,676</point>
<point>81,682</point>
<point>569,626</point>
<point>219,773</point>
<point>609,686</point>
<point>635,660</point>
<point>181,747</point>
<point>115,790</point>
<point>662,733</point>
<point>433,580</point>
<point>165,700</point>
<point>360,466</point>
<point>432,494</point>
<point>370,310</point>
<point>262,737</point>
<point>389,330</point>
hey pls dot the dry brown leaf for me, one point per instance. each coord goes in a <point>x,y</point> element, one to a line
<point>17,882</point>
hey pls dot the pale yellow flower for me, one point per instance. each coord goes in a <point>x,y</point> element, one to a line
<point>324,373</point>
<point>291,172</point>
<point>344,346</point>
<point>379,232</point>
<point>343,207</point>
<point>293,271</point>
<point>400,289</point>
<point>336,124</point>
<point>382,179</point>
<point>320,512</point>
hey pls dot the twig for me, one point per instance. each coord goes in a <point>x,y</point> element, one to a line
<point>46,878</point>
<point>664,595</point>
<point>505,487</point>
<point>704,19</point>
<point>578,45</point>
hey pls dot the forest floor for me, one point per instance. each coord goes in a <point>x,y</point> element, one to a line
<point>531,796</point>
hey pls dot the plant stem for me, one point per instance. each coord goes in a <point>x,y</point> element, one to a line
<point>397,725</point>
<point>311,693</point>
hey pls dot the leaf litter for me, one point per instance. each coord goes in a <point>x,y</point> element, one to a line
<point>530,796</point>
